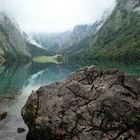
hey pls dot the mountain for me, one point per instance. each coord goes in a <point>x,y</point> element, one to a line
<point>34,50</point>
<point>79,33</point>
<point>67,41</point>
<point>115,37</point>
<point>119,37</point>
<point>12,44</point>
<point>80,38</point>
<point>53,41</point>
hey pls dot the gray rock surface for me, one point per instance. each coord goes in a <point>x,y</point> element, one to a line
<point>91,104</point>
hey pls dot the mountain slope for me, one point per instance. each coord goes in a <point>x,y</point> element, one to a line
<point>81,34</point>
<point>36,51</point>
<point>116,38</point>
<point>119,38</point>
<point>52,42</point>
<point>69,41</point>
<point>80,39</point>
<point>12,45</point>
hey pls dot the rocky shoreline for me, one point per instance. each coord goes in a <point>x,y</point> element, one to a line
<point>91,104</point>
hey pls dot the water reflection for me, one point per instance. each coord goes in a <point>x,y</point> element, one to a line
<point>18,80</point>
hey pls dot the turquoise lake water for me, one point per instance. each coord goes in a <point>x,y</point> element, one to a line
<point>18,80</point>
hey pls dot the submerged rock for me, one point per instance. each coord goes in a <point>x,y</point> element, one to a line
<point>91,104</point>
<point>3,115</point>
<point>20,130</point>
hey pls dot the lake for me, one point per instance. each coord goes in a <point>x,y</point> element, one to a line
<point>18,80</point>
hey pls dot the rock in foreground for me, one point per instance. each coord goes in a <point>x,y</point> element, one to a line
<point>91,104</point>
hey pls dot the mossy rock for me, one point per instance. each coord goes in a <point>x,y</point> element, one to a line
<point>30,113</point>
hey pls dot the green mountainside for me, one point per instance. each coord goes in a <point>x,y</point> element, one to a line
<point>67,42</point>
<point>119,37</point>
<point>36,51</point>
<point>12,44</point>
<point>115,38</point>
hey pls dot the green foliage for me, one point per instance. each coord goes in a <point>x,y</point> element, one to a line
<point>46,59</point>
<point>118,39</point>
<point>12,45</point>
<point>30,113</point>
<point>36,51</point>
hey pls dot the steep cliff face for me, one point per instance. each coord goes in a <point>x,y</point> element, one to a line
<point>119,38</point>
<point>12,45</point>
<point>80,38</point>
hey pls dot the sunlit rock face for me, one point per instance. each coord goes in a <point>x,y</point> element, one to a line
<point>91,104</point>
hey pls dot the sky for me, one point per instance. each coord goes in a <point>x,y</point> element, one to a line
<point>54,15</point>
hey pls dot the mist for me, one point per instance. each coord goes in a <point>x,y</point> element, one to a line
<point>54,15</point>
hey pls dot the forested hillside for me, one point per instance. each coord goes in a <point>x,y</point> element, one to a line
<point>12,45</point>
<point>119,37</point>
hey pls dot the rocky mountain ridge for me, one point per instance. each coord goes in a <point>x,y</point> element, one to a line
<point>67,40</point>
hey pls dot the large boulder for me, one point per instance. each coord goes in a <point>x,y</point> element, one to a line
<point>91,104</point>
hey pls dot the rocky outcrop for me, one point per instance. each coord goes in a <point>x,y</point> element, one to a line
<point>91,104</point>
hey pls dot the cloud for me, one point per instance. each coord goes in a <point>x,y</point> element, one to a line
<point>54,15</point>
